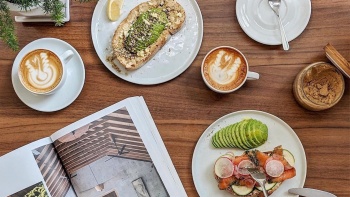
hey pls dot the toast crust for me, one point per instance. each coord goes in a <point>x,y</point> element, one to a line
<point>131,61</point>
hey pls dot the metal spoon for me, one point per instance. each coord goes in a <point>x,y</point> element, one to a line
<point>275,6</point>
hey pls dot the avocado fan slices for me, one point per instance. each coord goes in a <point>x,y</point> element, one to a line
<point>246,134</point>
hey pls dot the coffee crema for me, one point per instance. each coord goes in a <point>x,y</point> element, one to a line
<point>41,71</point>
<point>225,69</point>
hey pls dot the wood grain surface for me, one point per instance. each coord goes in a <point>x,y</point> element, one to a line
<point>184,107</point>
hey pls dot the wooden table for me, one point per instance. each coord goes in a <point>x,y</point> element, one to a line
<point>184,107</point>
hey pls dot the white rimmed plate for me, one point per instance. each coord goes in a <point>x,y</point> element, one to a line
<point>173,59</point>
<point>260,23</point>
<point>280,133</point>
<point>67,93</point>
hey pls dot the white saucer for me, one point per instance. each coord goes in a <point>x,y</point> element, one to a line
<point>67,93</point>
<point>260,23</point>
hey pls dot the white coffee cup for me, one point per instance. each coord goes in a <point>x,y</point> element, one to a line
<point>42,71</point>
<point>225,69</point>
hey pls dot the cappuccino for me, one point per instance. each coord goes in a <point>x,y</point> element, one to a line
<point>224,69</point>
<point>41,71</point>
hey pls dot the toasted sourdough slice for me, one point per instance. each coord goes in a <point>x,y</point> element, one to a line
<point>175,15</point>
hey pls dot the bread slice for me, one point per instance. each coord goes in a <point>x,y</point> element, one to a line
<point>130,60</point>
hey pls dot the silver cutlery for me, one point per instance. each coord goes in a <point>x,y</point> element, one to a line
<point>259,177</point>
<point>308,192</point>
<point>275,6</point>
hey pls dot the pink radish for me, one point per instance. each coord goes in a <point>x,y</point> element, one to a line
<point>223,167</point>
<point>243,165</point>
<point>274,168</point>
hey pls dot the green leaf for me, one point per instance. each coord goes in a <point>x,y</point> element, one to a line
<point>7,28</point>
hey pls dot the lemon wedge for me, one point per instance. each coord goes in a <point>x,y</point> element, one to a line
<point>113,9</point>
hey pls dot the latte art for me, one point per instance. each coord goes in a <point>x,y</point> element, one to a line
<point>41,71</point>
<point>41,74</point>
<point>224,69</point>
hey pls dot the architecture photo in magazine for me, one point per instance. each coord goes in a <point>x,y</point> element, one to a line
<point>107,157</point>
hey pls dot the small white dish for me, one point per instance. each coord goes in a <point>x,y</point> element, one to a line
<point>260,23</point>
<point>38,15</point>
<point>67,93</point>
<point>169,62</point>
<point>280,133</point>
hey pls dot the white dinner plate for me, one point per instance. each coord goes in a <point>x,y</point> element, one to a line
<point>260,23</point>
<point>67,93</point>
<point>280,133</point>
<point>173,59</point>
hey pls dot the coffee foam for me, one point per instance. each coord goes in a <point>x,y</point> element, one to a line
<point>225,69</point>
<point>41,71</point>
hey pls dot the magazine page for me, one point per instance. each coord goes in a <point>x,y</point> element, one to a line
<point>106,154</point>
<point>34,170</point>
<point>157,149</point>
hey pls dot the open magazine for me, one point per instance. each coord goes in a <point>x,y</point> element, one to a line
<point>116,152</point>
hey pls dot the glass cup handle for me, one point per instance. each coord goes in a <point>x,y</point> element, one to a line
<point>252,75</point>
<point>66,56</point>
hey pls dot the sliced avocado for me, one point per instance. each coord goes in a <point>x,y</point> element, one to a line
<point>242,130</point>
<point>221,138</point>
<point>231,131</point>
<point>231,136</point>
<point>250,133</point>
<point>260,132</point>
<point>244,134</point>
<point>213,142</point>
<point>225,138</point>
<point>216,139</point>
<point>238,136</point>
<point>145,30</point>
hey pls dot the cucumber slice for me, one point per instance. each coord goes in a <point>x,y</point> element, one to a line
<point>241,190</point>
<point>289,157</point>
<point>268,186</point>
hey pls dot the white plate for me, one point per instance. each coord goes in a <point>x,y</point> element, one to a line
<point>260,23</point>
<point>280,133</point>
<point>173,59</point>
<point>67,93</point>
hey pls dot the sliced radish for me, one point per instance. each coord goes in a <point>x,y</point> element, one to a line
<point>274,168</point>
<point>223,167</point>
<point>229,155</point>
<point>243,165</point>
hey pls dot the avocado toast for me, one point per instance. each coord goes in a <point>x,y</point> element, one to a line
<point>145,30</point>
